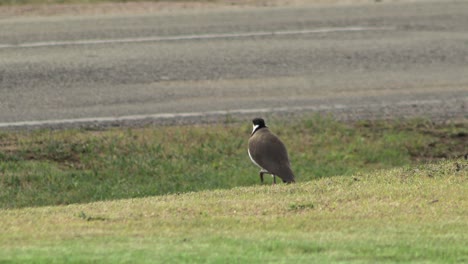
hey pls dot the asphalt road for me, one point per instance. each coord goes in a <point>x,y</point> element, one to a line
<point>362,61</point>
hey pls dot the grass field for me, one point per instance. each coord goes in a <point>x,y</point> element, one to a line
<point>45,167</point>
<point>381,191</point>
<point>416,214</point>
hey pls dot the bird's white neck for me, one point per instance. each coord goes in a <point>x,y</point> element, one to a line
<point>255,128</point>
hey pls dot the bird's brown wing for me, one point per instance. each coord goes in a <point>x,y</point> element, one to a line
<point>271,154</point>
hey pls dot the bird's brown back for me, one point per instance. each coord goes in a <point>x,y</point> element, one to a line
<point>270,153</point>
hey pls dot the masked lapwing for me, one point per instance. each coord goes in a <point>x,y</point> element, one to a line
<point>268,152</point>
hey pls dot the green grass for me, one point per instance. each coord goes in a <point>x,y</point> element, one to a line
<point>75,166</point>
<point>413,214</point>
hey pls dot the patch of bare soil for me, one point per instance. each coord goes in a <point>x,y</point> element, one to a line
<point>443,146</point>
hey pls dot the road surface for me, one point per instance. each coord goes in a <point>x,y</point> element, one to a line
<point>378,60</point>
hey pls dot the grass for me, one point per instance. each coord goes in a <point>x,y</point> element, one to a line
<point>409,214</point>
<point>39,168</point>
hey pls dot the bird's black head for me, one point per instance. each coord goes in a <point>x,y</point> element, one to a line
<point>257,124</point>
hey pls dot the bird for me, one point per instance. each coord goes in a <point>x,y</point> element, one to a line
<point>268,152</point>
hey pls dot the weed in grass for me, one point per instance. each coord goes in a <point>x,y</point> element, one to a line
<point>298,207</point>
<point>84,216</point>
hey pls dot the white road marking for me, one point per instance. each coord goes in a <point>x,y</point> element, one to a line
<point>207,113</point>
<point>191,37</point>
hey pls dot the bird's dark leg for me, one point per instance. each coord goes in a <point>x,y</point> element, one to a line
<point>262,171</point>
<point>274,179</point>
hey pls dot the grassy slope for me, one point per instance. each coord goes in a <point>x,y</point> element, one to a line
<point>74,166</point>
<point>417,214</point>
